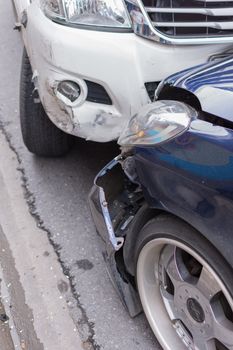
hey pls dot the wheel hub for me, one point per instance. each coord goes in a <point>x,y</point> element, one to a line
<point>195,310</point>
<point>190,305</point>
<point>199,309</point>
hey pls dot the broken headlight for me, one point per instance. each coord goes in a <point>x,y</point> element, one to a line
<point>157,122</point>
<point>101,13</point>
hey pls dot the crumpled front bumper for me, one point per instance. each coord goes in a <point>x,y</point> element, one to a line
<point>105,188</point>
<point>120,63</point>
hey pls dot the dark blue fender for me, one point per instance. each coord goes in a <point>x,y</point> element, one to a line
<point>211,83</point>
<point>192,178</point>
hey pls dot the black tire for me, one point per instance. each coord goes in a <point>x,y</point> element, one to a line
<point>156,236</point>
<point>40,135</point>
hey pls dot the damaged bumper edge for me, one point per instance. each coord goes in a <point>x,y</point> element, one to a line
<point>100,212</point>
<point>61,54</point>
<point>102,218</point>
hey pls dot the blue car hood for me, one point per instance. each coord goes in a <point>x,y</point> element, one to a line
<point>212,84</point>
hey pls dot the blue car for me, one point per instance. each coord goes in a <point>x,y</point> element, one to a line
<point>164,208</point>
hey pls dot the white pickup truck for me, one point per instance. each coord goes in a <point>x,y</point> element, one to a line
<point>89,65</point>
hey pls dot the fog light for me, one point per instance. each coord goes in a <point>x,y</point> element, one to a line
<point>69,90</point>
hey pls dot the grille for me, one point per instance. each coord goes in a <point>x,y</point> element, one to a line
<point>191,18</point>
<point>97,93</point>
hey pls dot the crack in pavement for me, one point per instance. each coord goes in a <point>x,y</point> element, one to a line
<point>89,343</point>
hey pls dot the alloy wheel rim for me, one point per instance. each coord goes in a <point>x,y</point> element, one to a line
<point>185,301</point>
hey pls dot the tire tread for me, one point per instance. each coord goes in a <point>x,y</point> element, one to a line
<point>40,135</point>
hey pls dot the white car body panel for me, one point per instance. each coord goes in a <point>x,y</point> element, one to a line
<point>121,62</point>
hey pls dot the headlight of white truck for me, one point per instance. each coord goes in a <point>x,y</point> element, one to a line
<point>101,13</point>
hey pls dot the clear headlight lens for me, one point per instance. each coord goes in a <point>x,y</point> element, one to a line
<point>104,13</point>
<point>157,122</point>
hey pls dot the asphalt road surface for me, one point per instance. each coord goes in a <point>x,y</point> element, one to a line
<point>34,308</point>
<point>56,194</point>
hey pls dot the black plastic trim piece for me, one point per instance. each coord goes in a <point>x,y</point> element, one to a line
<point>150,88</point>
<point>97,93</point>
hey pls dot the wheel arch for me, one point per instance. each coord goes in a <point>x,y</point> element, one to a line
<point>146,214</point>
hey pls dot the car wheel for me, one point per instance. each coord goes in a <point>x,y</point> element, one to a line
<point>185,287</point>
<point>40,135</point>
